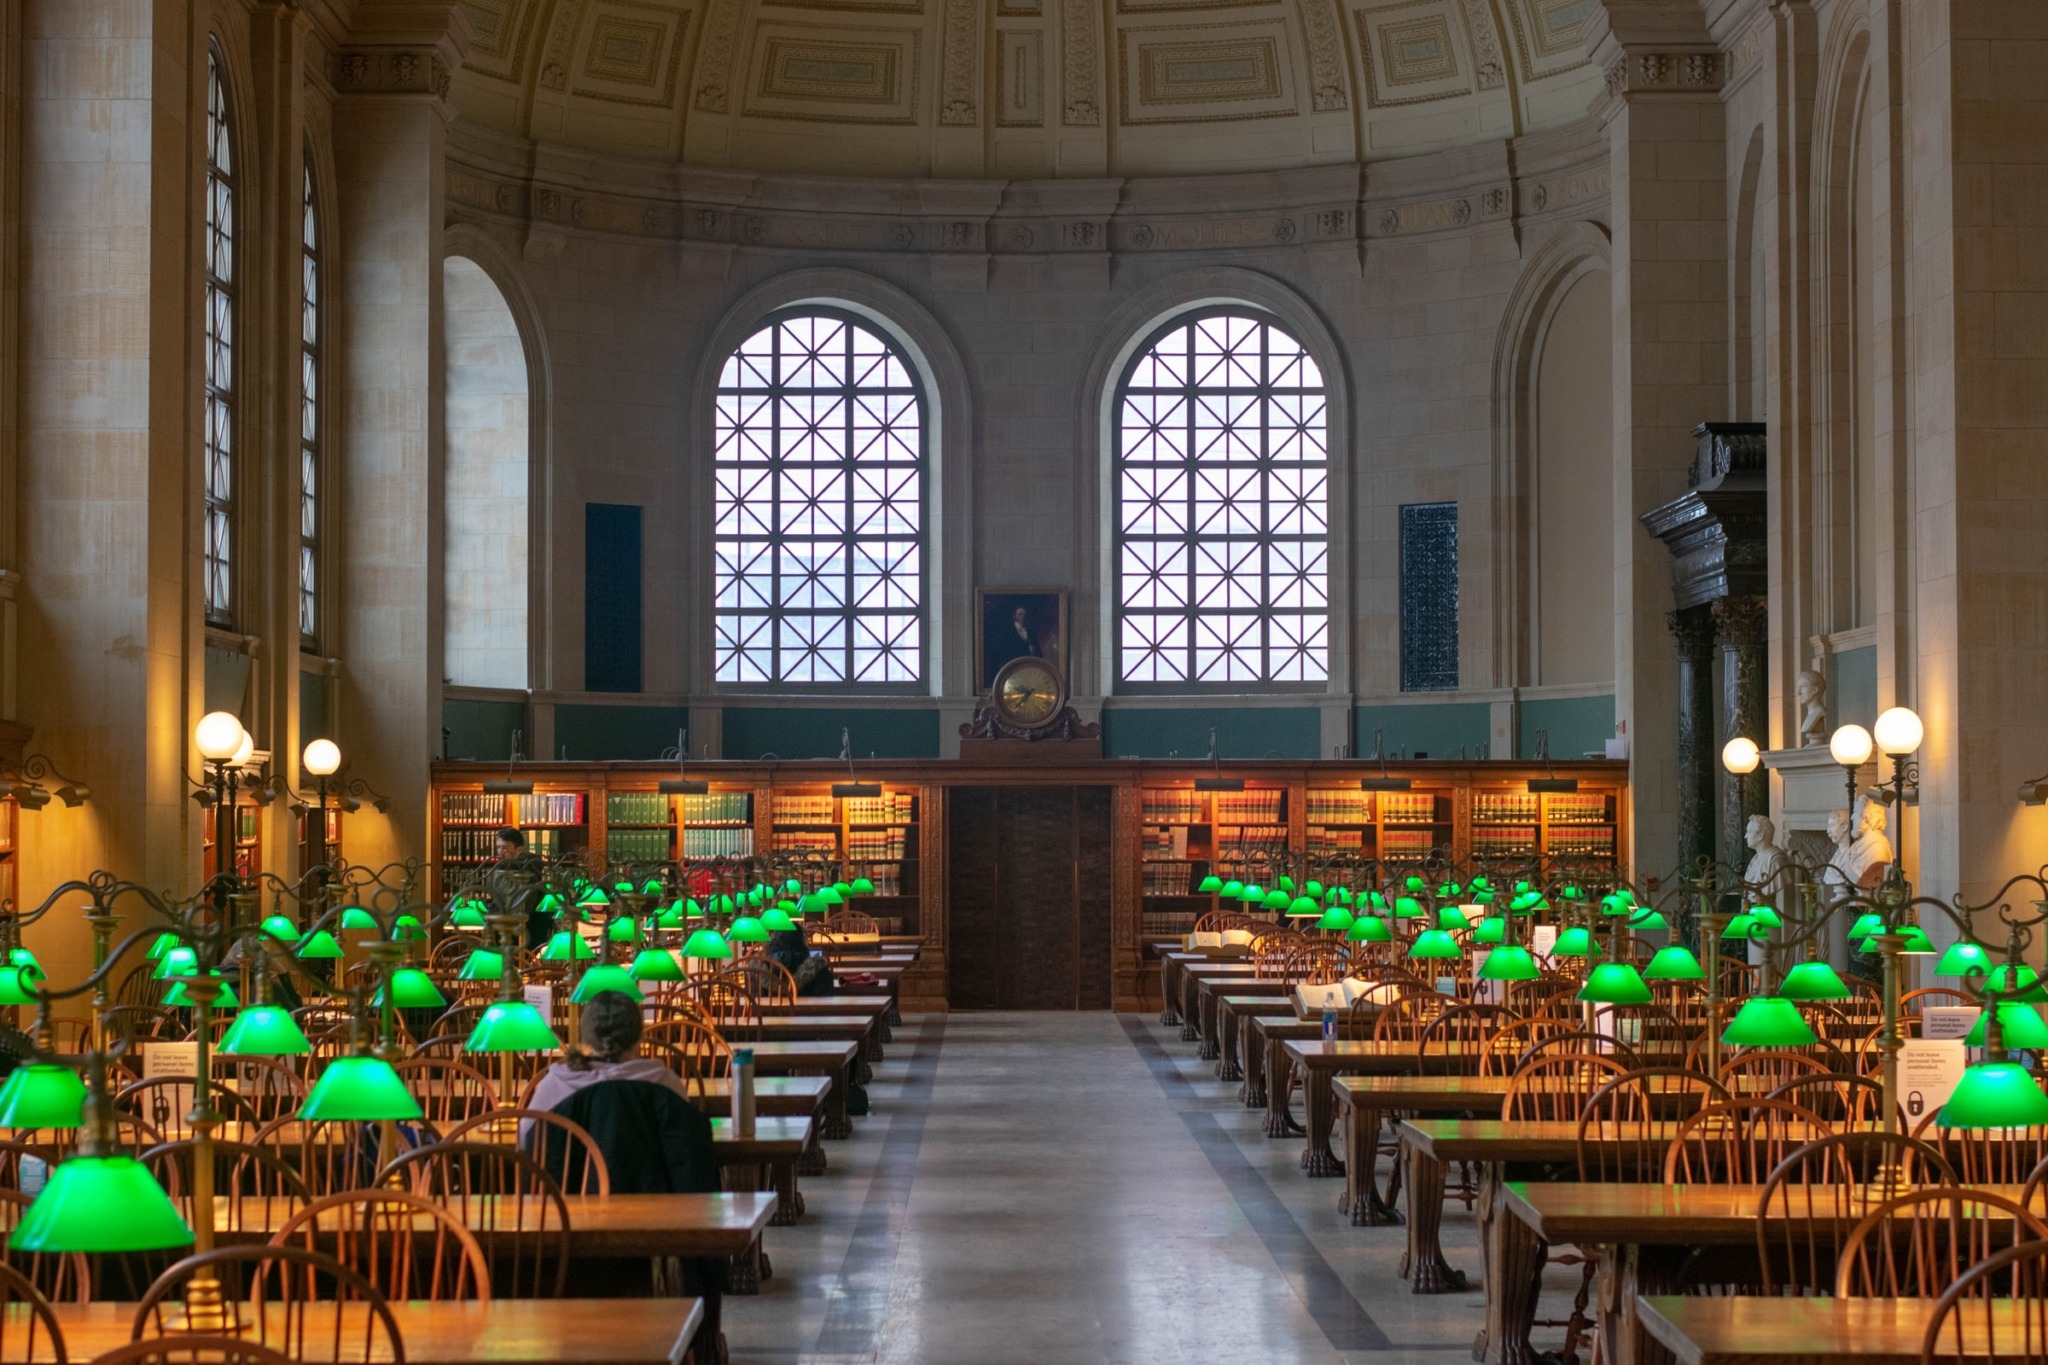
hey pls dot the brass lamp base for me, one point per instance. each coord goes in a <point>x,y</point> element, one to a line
<point>205,1310</point>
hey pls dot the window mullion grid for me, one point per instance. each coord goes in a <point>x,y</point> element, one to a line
<point>1191,461</point>
<point>778,539</point>
<point>849,612</point>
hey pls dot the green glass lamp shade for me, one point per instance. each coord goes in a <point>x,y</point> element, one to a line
<point>1768,1021</point>
<point>1435,943</point>
<point>723,905</point>
<point>692,909</point>
<point>412,989</point>
<point>1991,1095</point>
<point>747,929</point>
<point>563,944</point>
<point>1211,885</point>
<point>579,885</point>
<point>708,944</point>
<point>1286,884</point>
<point>1252,893</point>
<point>1480,882</point>
<point>834,896</point>
<point>2024,983</point>
<point>318,944</point>
<point>359,1089</point>
<point>1522,887</point>
<point>625,929</point>
<point>1313,889</point>
<point>671,917</point>
<point>1962,958</point>
<point>1376,900</point>
<point>1510,964</point>
<point>18,985</point>
<point>1611,904</point>
<point>163,944</point>
<point>266,1031</point>
<point>1626,896</point>
<point>1232,890</point>
<point>101,1203</point>
<point>863,887</point>
<point>42,1095</point>
<point>1452,917</point>
<point>1481,895</point>
<point>511,1026</point>
<point>1369,929</point>
<point>1864,927</point>
<point>651,887</point>
<point>656,964</point>
<point>406,928</point>
<point>1648,922</point>
<point>792,886</point>
<point>1407,907</point>
<point>551,904</point>
<point>1492,929</point>
<point>1741,929</point>
<point>1813,981</point>
<point>177,999</point>
<point>1416,884</point>
<point>776,920</point>
<point>1615,983</point>
<point>1675,963</point>
<point>1525,903</point>
<point>176,962</point>
<point>1572,893</point>
<point>281,928</point>
<point>1916,943</point>
<point>1766,916</point>
<point>1277,900</point>
<point>1342,896</point>
<point>1301,907</point>
<point>594,896</point>
<point>811,905</point>
<point>609,976</point>
<point>2018,1026</point>
<point>355,917</point>
<point>482,965</point>
<point>1335,920</point>
<point>1575,942</point>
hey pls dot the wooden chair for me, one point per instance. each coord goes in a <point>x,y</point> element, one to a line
<point>1826,1186</point>
<point>507,1199</point>
<point>696,1052</point>
<point>1574,1042</point>
<point>60,1276</point>
<point>1759,1071</point>
<point>1986,1156</point>
<point>766,980</point>
<point>449,1091</point>
<point>1843,1100</point>
<point>248,1179</point>
<point>1460,1028</point>
<point>1624,1129</point>
<point>269,1088</point>
<point>406,1246</point>
<point>1504,1048</point>
<point>12,1152</point>
<point>188,1348</point>
<point>305,1304</point>
<point>563,1146</point>
<point>851,922</point>
<point>333,1155</point>
<point>1919,1243</point>
<point>459,1019</point>
<point>29,1334</point>
<point>1996,1313</point>
<point>1405,1019</point>
<point>1554,1089</point>
<point>732,1010</point>
<point>164,1101</point>
<point>1914,1003</point>
<point>1738,1143</point>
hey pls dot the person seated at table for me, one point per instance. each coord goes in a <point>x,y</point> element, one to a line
<point>813,972</point>
<point>653,1139</point>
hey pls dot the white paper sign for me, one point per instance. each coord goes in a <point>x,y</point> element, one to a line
<point>1447,985</point>
<point>169,1059</point>
<point>1948,1021</point>
<point>1484,991</point>
<point>1929,1071</point>
<point>1542,939</point>
<point>541,998</point>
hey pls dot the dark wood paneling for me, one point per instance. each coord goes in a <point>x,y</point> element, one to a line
<point>1029,898</point>
<point>1094,828</point>
<point>975,950</point>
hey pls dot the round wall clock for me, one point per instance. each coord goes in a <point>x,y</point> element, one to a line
<point>1027,693</point>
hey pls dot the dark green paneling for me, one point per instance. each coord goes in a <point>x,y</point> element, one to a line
<point>607,732</point>
<point>313,708</point>
<point>810,732</point>
<point>1241,732</point>
<point>1577,725</point>
<point>1438,731</point>
<point>1855,688</point>
<point>227,681</point>
<point>482,729</point>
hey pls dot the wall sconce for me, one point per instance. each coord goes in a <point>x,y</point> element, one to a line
<point>2034,791</point>
<point>29,789</point>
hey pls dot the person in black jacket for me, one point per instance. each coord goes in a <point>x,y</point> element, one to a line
<point>653,1139</point>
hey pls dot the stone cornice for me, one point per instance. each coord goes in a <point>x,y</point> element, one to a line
<point>400,47</point>
<point>1562,173</point>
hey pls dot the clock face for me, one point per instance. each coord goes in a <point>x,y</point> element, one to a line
<point>1028,692</point>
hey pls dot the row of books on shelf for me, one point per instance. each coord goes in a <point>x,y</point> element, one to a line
<point>1335,840</point>
<point>538,808</point>
<point>1407,843</point>
<point>1504,843</point>
<point>637,845</point>
<point>1267,837</point>
<point>887,877</point>
<point>1579,808</point>
<point>890,808</point>
<point>865,844</point>
<point>805,841</point>
<point>1164,841</point>
<point>1167,807</point>
<point>467,845</point>
<point>718,843</point>
<point>1169,879</point>
<point>805,810</point>
<point>1248,808</point>
<point>637,808</point>
<point>1339,808</point>
<point>1407,808</point>
<point>1582,843</point>
<point>718,808</point>
<point>1503,807</point>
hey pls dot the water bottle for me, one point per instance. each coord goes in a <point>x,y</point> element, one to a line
<point>1329,1022</point>
<point>743,1092</point>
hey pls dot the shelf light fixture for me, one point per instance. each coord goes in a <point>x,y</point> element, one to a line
<point>1552,785</point>
<point>852,787</point>
<point>682,784</point>
<point>511,784</point>
<point>1216,781</point>
<point>1385,782</point>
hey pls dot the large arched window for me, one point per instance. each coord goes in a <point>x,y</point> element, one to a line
<point>220,347</point>
<point>1222,507</point>
<point>818,525</point>
<point>309,414</point>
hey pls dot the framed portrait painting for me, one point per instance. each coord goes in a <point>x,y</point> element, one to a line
<point>1015,623</point>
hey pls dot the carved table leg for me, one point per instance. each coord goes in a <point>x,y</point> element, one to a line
<point>1169,988</point>
<point>1318,1160</point>
<point>1279,1090</point>
<point>1362,1199</point>
<point>789,1202</point>
<point>812,1162</point>
<point>1428,1272</point>
<point>745,1276</point>
<point>1207,1024</point>
<point>838,1126</point>
<point>1514,1275</point>
<point>1190,1006</point>
<point>1227,1030</point>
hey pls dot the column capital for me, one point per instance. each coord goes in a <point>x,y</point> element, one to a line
<point>1741,621</point>
<point>402,49</point>
<point>1654,46</point>
<point>1693,628</point>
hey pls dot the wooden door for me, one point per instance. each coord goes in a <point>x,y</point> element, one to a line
<point>1029,897</point>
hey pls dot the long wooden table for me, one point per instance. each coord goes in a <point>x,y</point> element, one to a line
<point>1318,1061</point>
<point>1761,1331</point>
<point>502,1332</point>
<point>1231,1011</point>
<point>634,1225</point>
<point>1365,1101</point>
<point>1267,1082</point>
<point>1209,992</point>
<point>835,1060</point>
<point>1192,976</point>
<point>773,1151</point>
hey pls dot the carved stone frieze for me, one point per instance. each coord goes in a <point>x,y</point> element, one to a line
<point>1079,52</point>
<point>383,71</point>
<point>1325,56</point>
<point>960,67</point>
<point>715,63</point>
<point>1489,67</point>
<point>1643,72</point>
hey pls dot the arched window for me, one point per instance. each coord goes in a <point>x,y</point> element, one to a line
<point>818,530</point>
<point>309,415</point>
<point>486,481</point>
<point>1222,507</point>
<point>220,347</point>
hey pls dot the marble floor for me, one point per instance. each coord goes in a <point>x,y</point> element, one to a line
<point>1079,1188</point>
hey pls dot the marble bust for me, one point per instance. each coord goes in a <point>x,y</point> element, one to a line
<point>1834,878</point>
<point>1863,848</point>
<point>1766,870</point>
<point>1812,690</point>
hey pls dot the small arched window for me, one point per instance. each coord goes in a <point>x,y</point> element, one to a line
<point>1222,507</point>
<point>309,414</point>
<point>220,347</point>
<point>818,521</point>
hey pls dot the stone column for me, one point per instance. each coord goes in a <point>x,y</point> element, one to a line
<point>390,130</point>
<point>1663,119</point>
<point>1741,625</point>
<point>1696,757</point>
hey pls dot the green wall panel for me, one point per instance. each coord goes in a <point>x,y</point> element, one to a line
<point>1241,732</point>
<point>599,733</point>
<point>1577,725</point>
<point>1854,691</point>
<point>482,729</point>
<point>808,732</point>
<point>1438,731</point>
<point>313,708</point>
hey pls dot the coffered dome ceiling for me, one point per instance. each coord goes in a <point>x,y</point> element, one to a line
<point>1023,88</point>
